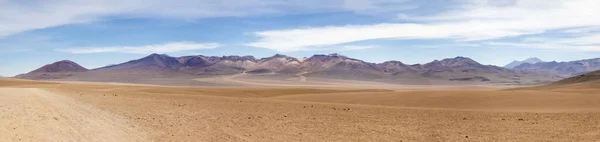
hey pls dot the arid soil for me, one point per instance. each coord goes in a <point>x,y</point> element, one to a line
<point>48,111</point>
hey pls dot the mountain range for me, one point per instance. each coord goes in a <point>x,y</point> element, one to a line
<point>332,66</point>
<point>515,63</point>
<point>566,69</point>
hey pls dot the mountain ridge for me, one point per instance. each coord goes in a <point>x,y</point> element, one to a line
<point>335,66</point>
<point>567,68</point>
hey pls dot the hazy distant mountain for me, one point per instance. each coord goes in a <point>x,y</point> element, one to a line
<point>562,68</point>
<point>159,67</point>
<point>515,63</point>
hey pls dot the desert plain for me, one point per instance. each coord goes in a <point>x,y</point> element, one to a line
<point>81,111</point>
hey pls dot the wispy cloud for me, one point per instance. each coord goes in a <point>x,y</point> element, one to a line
<point>145,49</point>
<point>19,16</point>
<point>474,21</point>
<point>357,47</point>
<point>587,42</point>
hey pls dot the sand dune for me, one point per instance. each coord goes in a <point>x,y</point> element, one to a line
<point>46,111</point>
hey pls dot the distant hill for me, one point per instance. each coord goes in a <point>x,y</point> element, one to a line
<point>583,82</point>
<point>60,69</point>
<point>591,78</point>
<point>567,69</point>
<point>60,66</point>
<point>156,67</point>
<point>515,63</point>
<point>153,62</point>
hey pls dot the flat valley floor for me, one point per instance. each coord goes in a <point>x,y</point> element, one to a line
<point>75,111</point>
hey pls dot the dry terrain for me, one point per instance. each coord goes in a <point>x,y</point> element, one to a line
<point>76,111</point>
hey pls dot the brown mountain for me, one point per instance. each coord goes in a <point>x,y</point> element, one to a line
<point>591,79</point>
<point>60,69</point>
<point>60,66</point>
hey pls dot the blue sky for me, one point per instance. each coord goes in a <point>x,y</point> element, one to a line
<point>98,33</point>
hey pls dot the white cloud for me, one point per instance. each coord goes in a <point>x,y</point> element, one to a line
<point>589,41</point>
<point>19,16</point>
<point>583,30</point>
<point>549,45</point>
<point>478,20</point>
<point>357,47</point>
<point>301,39</point>
<point>145,49</point>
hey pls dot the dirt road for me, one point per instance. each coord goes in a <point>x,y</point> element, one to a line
<point>30,114</point>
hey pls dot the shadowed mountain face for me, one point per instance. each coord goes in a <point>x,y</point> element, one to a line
<point>334,66</point>
<point>154,62</point>
<point>562,68</point>
<point>515,63</point>
<point>397,68</point>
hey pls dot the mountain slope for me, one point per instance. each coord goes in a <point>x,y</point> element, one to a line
<point>340,67</point>
<point>153,62</point>
<point>60,66</point>
<point>397,68</point>
<point>213,65</point>
<point>466,69</point>
<point>515,63</point>
<point>591,78</point>
<point>277,64</point>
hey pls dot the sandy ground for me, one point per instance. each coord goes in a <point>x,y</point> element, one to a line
<point>45,111</point>
<point>246,80</point>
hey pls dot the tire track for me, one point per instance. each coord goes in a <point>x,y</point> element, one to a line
<point>60,118</point>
